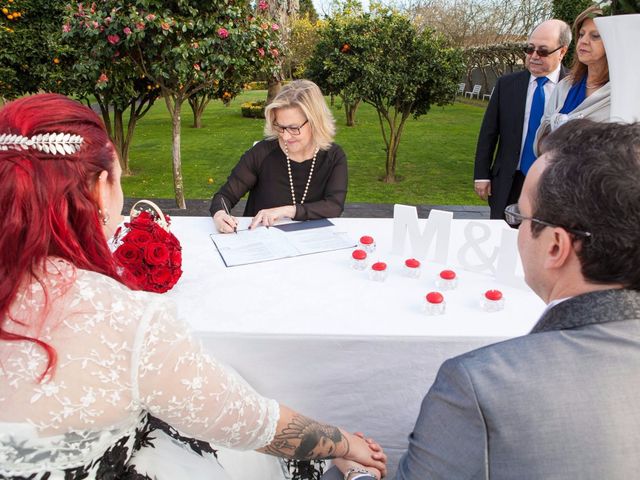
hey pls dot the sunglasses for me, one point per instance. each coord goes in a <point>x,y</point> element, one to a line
<point>514,218</point>
<point>542,52</point>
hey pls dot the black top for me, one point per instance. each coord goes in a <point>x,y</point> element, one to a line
<point>262,171</point>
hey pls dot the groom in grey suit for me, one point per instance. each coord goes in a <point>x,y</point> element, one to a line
<point>562,402</point>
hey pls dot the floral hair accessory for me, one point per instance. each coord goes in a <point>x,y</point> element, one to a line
<point>147,250</point>
<point>51,143</point>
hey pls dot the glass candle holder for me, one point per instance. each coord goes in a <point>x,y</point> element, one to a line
<point>367,244</point>
<point>359,259</point>
<point>447,280</point>
<point>492,301</point>
<point>434,303</point>
<point>412,268</point>
<point>378,272</point>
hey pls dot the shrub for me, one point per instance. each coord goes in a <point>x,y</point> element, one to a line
<point>253,109</point>
<point>256,86</point>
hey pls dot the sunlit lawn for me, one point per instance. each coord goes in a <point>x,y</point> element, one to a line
<point>435,161</point>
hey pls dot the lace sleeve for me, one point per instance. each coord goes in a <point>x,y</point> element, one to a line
<point>179,383</point>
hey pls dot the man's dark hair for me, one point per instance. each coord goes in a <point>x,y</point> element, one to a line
<point>592,184</point>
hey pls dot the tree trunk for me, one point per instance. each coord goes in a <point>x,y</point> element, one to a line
<point>392,149</point>
<point>118,137</point>
<point>197,118</point>
<point>198,103</point>
<point>273,88</point>
<point>394,144</point>
<point>178,184</point>
<point>127,139</point>
<point>350,110</point>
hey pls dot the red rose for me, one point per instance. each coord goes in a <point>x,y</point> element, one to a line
<point>161,275</point>
<point>143,219</point>
<point>138,237</point>
<point>140,277</point>
<point>161,235</point>
<point>128,254</point>
<point>175,275</point>
<point>176,258</point>
<point>156,253</point>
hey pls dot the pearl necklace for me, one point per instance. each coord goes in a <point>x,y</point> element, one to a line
<point>306,188</point>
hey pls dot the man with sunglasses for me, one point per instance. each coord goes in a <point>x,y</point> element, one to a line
<point>562,401</point>
<point>505,144</point>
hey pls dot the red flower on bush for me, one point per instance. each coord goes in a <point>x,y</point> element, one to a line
<point>223,33</point>
<point>150,255</point>
<point>113,39</point>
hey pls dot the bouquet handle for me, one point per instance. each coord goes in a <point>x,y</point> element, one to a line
<point>160,220</point>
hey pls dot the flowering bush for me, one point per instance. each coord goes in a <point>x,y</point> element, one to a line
<point>149,253</point>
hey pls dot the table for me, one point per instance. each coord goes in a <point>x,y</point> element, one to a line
<point>322,338</point>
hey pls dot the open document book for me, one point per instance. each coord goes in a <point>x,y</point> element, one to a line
<point>282,241</point>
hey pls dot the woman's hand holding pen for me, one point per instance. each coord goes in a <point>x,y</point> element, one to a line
<point>224,222</point>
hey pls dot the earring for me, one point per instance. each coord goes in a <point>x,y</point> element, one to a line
<point>105,217</point>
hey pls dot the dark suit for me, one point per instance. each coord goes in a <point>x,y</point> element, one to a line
<point>502,127</point>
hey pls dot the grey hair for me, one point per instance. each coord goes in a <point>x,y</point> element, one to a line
<point>565,34</point>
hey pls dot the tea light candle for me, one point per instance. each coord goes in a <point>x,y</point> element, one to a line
<point>367,244</point>
<point>359,259</point>
<point>447,280</point>
<point>412,268</point>
<point>434,303</point>
<point>492,301</point>
<point>378,272</point>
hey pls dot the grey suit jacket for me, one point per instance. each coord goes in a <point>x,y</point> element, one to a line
<point>560,403</point>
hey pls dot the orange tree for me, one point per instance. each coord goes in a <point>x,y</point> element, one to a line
<point>183,47</point>
<point>31,53</point>
<point>381,58</point>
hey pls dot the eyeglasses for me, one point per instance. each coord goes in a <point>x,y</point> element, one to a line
<point>514,218</point>
<point>291,130</point>
<point>542,52</point>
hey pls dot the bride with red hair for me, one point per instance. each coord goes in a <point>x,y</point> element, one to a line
<point>99,380</point>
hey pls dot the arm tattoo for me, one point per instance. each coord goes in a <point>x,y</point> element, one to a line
<point>306,439</point>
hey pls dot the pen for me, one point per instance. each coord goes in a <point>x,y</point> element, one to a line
<point>226,210</point>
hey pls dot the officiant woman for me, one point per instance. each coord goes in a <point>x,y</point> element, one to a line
<point>97,380</point>
<point>295,172</point>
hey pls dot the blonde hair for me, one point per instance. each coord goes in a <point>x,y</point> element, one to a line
<point>306,96</point>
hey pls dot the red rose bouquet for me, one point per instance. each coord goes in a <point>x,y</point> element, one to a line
<point>147,250</point>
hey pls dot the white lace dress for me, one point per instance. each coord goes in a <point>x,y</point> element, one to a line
<point>132,396</point>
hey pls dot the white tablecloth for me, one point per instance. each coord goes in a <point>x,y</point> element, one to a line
<point>324,339</point>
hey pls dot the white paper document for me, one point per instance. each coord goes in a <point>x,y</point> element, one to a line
<point>290,240</point>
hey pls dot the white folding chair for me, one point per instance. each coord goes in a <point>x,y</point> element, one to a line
<point>488,95</point>
<point>475,91</point>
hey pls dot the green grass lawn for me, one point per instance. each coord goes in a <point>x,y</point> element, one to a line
<point>435,160</point>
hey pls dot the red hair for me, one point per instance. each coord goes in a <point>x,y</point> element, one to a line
<point>47,201</point>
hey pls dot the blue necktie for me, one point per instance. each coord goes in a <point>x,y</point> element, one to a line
<point>535,115</point>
